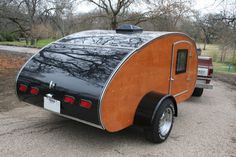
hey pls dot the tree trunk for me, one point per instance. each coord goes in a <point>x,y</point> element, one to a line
<point>33,41</point>
<point>114,23</point>
<point>234,54</point>
<point>27,41</point>
<point>221,55</point>
<point>224,56</point>
<point>205,42</point>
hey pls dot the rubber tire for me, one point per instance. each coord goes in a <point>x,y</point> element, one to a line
<point>151,132</point>
<point>197,92</point>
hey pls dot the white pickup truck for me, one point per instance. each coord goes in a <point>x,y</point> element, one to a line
<point>205,71</point>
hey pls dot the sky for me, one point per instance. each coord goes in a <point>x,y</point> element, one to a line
<point>204,6</point>
<point>209,6</point>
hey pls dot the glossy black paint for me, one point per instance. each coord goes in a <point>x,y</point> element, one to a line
<point>79,65</point>
<point>78,71</point>
<point>148,107</point>
<point>129,42</point>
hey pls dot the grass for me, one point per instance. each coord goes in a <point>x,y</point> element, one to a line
<point>221,67</point>
<point>44,42</point>
<point>213,51</point>
<point>41,43</point>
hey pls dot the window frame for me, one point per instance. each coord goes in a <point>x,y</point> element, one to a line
<point>179,51</point>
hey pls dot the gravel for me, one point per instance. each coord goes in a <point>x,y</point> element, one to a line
<point>16,49</point>
<point>205,127</point>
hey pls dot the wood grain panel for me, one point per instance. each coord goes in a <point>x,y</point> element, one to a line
<point>147,70</point>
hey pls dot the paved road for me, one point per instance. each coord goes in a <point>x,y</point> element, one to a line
<point>18,49</point>
<point>206,126</point>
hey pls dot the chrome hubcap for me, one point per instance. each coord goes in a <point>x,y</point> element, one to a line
<point>165,121</point>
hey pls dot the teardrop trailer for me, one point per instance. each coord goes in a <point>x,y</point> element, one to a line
<point>113,79</point>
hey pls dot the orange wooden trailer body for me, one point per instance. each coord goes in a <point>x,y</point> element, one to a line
<point>152,67</point>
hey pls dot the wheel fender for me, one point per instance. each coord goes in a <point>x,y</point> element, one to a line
<point>148,107</point>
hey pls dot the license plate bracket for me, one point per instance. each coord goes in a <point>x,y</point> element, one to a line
<point>52,104</point>
<point>202,71</point>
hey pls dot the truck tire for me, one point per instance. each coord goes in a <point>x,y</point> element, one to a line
<point>197,92</point>
<point>162,123</point>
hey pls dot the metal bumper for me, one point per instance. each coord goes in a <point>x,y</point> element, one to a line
<point>205,86</point>
<point>202,82</point>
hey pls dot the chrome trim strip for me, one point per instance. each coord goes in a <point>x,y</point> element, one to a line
<point>172,61</point>
<point>80,120</point>
<point>17,76</point>
<point>76,119</point>
<point>183,41</point>
<point>171,69</point>
<point>113,74</point>
<point>203,66</point>
<point>158,104</point>
<point>135,50</point>
<point>205,86</point>
<point>125,59</point>
<point>178,94</point>
<point>204,78</point>
<point>69,117</point>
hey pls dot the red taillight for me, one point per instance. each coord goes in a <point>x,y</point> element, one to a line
<point>23,88</point>
<point>34,91</point>
<point>210,71</point>
<point>85,103</point>
<point>69,99</point>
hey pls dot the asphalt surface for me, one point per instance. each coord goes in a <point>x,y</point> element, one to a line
<point>205,126</point>
<point>17,49</point>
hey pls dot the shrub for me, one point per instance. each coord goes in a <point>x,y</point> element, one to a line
<point>233,62</point>
<point>215,57</point>
<point>1,38</point>
<point>6,36</point>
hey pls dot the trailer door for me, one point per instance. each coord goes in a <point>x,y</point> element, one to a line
<point>180,74</point>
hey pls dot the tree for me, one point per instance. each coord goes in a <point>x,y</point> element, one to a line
<point>166,14</point>
<point>227,32</point>
<point>27,14</point>
<point>229,18</point>
<point>206,23</point>
<point>10,11</point>
<point>60,15</point>
<point>112,9</point>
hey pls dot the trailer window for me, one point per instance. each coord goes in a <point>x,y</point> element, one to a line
<point>181,64</point>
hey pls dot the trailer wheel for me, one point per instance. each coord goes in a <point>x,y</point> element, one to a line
<point>162,123</point>
<point>197,92</point>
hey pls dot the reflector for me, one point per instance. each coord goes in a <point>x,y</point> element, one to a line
<point>34,91</point>
<point>69,99</point>
<point>22,88</point>
<point>210,72</point>
<point>85,103</point>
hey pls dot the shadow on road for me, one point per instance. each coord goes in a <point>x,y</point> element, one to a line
<point>74,132</point>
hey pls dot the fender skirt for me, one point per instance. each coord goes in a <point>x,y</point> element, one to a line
<point>148,107</point>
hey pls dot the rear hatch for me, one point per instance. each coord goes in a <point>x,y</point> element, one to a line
<point>205,69</point>
<point>75,70</point>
